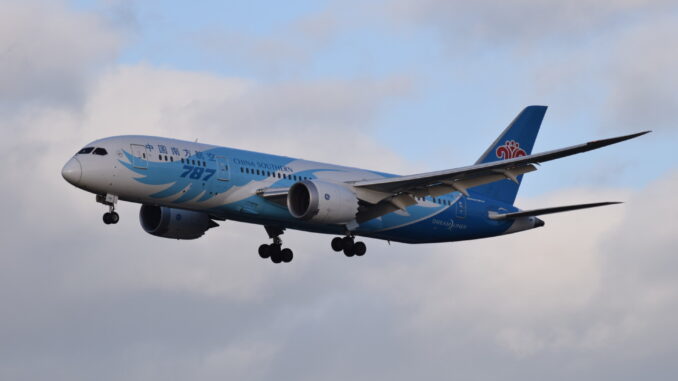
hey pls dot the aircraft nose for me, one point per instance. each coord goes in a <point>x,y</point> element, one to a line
<point>72,171</point>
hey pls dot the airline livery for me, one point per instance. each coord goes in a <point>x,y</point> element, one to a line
<point>185,187</point>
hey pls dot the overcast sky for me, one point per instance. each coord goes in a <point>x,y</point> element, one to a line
<point>401,86</point>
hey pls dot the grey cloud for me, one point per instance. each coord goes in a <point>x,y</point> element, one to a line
<point>47,51</point>
<point>607,58</point>
<point>322,119</point>
<point>520,22</point>
<point>625,78</point>
<point>82,299</point>
<point>285,51</point>
<point>642,78</point>
<point>120,304</point>
<point>590,296</point>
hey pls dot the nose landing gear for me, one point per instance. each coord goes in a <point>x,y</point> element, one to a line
<point>275,251</point>
<point>111,217</point>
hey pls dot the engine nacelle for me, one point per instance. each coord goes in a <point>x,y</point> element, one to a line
<point>174,223</point>
<point>322,202</point>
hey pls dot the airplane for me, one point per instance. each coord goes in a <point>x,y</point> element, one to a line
<point>184,188</point>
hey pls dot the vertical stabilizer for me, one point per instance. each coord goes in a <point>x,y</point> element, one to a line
<point>516,140</point>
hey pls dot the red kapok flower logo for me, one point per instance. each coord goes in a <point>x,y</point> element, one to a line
<point>509,150</point>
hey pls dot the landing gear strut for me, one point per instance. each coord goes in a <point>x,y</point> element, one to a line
<point>349,246</point>
<point>275,250</point>
<point>111,217</point>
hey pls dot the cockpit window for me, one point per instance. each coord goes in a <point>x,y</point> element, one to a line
<point>100,151</point>
<point>85,150</point>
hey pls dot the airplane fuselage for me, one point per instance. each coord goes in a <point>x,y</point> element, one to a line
<point>225,183</point>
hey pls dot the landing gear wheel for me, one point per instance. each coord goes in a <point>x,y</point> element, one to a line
<point>337,244</point>
<point>107,218</point>
<point>348,251</point>
<point>275,252</point>
<point>347,244</point>
<point>359,249</point>
<point>264,251</point>
<point>286,255</point>
<point>115,217</point>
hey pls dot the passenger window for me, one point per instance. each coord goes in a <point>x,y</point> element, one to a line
<point>159,157</point>
<point>85,151</point>
<point>204,164</point>
<point>166,158</point>
<point>172,158</point>
<point>100,151</point>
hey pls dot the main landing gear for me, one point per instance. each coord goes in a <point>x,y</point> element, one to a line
<point>275,250</point>
<point>111,217</point>
<point>349,246</point>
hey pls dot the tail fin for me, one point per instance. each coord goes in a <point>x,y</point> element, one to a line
<point>516,140</point>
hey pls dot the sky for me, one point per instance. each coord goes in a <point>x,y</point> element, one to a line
<point>401,86</point>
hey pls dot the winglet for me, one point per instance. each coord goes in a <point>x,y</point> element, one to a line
<point>606,142</point>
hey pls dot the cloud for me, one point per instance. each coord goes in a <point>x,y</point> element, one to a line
<point>590,288</point>
<point>48,52</point>
<point>607,59</point>
<point>641,78</point>
<point>520,22</point>
<point>321,120</point>
<point>590,296</point>
<point>289,49</point>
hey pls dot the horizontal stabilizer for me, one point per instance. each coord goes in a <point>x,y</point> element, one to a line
<point>557,209</point>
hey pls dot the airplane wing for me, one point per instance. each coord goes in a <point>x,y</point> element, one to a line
<point>383,196</point>
<point>539,212</point>
<point>455,179</point>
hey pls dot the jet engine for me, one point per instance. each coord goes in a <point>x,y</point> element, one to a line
<point>174,223</point>
<point>322,202</point>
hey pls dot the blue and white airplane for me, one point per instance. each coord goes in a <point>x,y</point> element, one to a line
<point>184,187</point>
